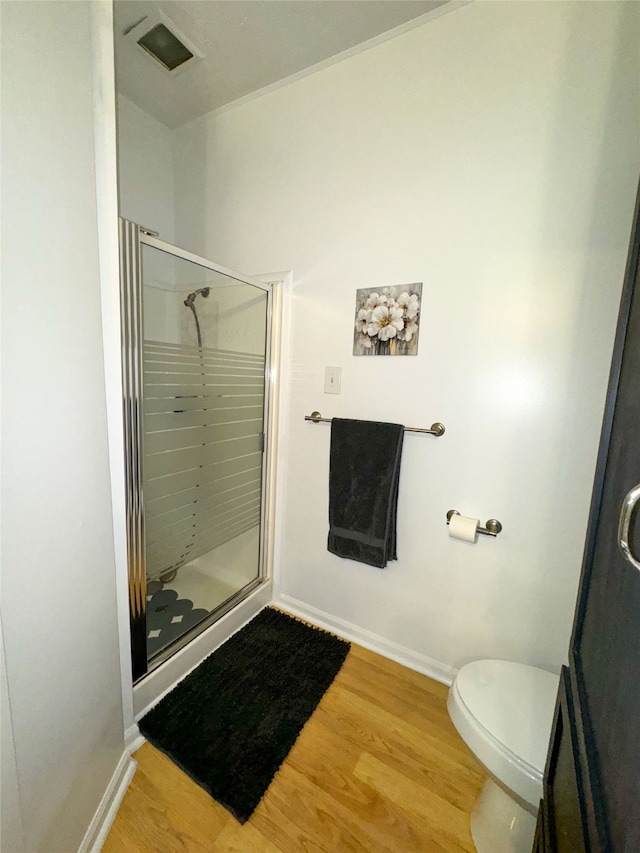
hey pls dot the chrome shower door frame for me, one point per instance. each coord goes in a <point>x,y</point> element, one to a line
<point>132,238</point>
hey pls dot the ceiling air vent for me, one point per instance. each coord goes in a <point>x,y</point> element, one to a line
<point>163,42</point>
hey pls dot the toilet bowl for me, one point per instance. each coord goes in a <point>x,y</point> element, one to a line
<point>504,711</point>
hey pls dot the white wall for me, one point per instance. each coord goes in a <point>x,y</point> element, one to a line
<point>145,166</point>
<point>491,154</point>
<point>58,586</point>
<point>11,824</point>
<point>146,180</point>
<point>241,321</point>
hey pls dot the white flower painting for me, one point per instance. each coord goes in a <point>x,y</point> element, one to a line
<point>387,320</point>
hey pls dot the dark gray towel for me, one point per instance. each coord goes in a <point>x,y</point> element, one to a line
<point>364,474</point>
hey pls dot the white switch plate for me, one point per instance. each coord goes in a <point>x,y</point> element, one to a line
<point>332,377</point>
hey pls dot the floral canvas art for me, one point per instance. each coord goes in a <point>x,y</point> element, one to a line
<point>387,320</point>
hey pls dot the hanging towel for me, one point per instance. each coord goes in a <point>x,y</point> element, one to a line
<point>364,474</point>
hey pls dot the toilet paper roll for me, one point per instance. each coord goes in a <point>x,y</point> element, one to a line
<point>461,527</point>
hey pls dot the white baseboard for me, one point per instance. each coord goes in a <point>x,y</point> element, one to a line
<point>99,827</point>
<point>374,642</point>
<point>133,740</point>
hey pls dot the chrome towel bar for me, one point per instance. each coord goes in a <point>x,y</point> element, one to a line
<point>435,429</point>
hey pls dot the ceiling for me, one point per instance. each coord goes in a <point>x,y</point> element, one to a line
<point>248,44</point>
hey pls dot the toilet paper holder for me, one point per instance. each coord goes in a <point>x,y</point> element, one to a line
<point>491,528</point>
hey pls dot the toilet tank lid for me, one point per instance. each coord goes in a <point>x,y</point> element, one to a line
<point>514,702</point>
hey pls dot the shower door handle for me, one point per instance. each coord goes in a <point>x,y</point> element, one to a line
<point>626,513</point>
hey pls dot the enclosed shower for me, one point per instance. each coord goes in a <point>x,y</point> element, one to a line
<point>195,355</point>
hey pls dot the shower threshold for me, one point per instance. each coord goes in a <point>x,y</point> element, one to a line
<point>213,616</point>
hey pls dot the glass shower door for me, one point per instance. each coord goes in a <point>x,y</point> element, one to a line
<point>202,359</point>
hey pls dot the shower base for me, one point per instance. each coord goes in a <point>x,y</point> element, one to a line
<point>199,587</point>
<point>210,580</point>
<point>168,616</point>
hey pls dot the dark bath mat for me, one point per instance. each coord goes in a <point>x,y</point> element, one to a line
<point>232,721</point>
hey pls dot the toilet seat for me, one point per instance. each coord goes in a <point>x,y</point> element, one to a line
<point>504,711</point>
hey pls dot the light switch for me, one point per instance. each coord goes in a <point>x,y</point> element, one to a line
<point>332,377</point>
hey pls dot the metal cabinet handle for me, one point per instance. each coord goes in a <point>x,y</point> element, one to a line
<point>628,505</point>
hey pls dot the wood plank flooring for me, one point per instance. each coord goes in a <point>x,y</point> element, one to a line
<point>379,768</point>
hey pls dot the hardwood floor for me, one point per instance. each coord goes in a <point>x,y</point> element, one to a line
<point>379,767</point>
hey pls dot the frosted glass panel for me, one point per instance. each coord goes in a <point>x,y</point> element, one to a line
<point>204,386</point>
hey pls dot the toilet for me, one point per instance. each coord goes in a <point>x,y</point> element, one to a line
<point>504,712</point>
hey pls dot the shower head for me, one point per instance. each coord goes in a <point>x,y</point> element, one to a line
<point>191,298</point>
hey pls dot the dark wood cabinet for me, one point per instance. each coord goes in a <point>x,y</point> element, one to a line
<point>561,811</point>
<point>592,778</point>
